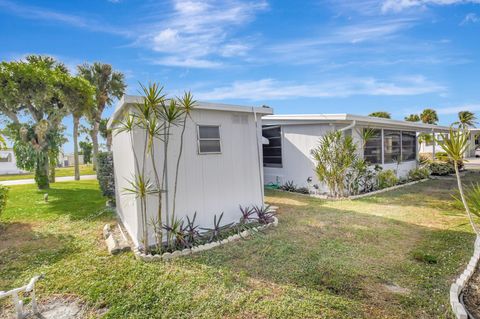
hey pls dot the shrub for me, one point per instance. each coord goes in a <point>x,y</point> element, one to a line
<point>289,186</point>
<point>441,168</point>
<point>3,198</point>
<point>441,156</point>
<point>425,158</point>
<point>419,173</point>
<point>105,174</point>
<point>387,178</point>
<point>302,190</point>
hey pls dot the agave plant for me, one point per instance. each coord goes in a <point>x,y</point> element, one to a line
<point>264,214</point>
<point>176,230</point>
<point>289,186</point>
<point>247,214</point>
<point>213,234</point>
<point>191,231</point>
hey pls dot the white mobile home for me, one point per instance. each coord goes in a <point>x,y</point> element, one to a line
<point>221,165</point>
<point>8,162</point>
<point>291,138</point>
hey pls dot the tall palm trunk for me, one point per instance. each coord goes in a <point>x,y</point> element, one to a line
<point>178,164</point>
<point>464,201</point>
<point>166,132</point>
<point>94,135</point>
<point>76,123</point>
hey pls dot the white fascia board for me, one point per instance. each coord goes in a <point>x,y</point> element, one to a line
<point>296,119</point>
<point>128,100</point>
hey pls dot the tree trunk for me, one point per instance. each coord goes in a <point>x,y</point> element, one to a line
<point>41,170</point>
<point>464,201</point>
<point>76,122</point>
<point>109,141</point>
<point>94,136</point>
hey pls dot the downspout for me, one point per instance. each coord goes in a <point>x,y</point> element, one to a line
<point>260,170</point>
<point>350,126</point>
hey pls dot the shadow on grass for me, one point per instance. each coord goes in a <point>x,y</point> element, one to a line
<point>23,248</point>
<point>350,254</point>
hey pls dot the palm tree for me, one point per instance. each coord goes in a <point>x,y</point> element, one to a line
<point>466,119</point>
<point>455,144</point>
<point>105,133</point>
<point>79,97</point>
<point>381,114</point>
<point>412,118</point>
<point>108,84</point>
<point>429,116</point>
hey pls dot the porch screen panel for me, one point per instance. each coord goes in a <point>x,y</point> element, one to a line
<point>409,146</point>
<point>372,151</point>
<point>272,153</point>
<point>392,146</point>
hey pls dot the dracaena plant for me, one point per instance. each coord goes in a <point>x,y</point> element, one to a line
<point>455,144</point>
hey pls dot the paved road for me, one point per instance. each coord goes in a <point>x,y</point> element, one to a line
<point>58,179</point>
<point>473,163</point>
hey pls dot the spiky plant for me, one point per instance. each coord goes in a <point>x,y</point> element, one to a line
<point>187,104</point>
<point>213,234</point>
<point>264,214</point>
<point>455,144</point>
<point>247,214</point>
<point>191,231</point>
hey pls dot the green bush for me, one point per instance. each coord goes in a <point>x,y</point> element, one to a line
<point>387,178</point>
<point>105,174</point>
<point>3,198</point>
<point>419,173</point>
<point>441,168</point>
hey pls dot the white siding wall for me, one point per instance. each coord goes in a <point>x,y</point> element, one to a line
<point>9,167</point>
<point>209,183</point>
<point>124,166</point>
<point>298,164</point>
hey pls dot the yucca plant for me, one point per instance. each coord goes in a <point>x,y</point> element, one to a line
<point>455,144</point>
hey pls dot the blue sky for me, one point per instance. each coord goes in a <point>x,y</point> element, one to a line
<point>309,56</point>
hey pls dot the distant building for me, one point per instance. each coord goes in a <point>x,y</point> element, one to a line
<point>8,163</point>
<point>66,160</point>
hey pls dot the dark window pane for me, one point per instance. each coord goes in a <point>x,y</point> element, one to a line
<point>373,148</point>
<point>205,131</point>
<point>272,153</point>
<point>391,146</point>
<point>209,146</point>
<point>409,146</point>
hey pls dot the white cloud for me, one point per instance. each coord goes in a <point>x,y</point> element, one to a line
<point>455,109</point>
<point>201,31</point>
<point>400,5</point>
<point>470,18</point>
<point>38,13</point>
<point>271,89</point>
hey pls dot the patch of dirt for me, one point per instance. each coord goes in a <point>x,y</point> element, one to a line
<point>58,307</point>
<point>471,294</point>
<point>396,289</point>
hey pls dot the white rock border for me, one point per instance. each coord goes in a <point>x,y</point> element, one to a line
<point>187,251</point>
<point>457,287</point>
<point>383,190</point>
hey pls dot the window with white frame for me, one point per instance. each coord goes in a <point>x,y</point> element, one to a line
<point>272,152</point>
<point>209,139</point>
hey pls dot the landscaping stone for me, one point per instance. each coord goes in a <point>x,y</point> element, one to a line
<point>112,245</point>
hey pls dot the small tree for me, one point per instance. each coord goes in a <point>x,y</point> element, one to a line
<point>334,155</point>
<point>86,148</point>
<point>455,144</point>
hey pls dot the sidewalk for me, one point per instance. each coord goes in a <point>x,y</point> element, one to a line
<point>58,179</point>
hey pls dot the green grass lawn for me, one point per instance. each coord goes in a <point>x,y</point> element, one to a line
<point>59,172</point>
<point>325,260</point>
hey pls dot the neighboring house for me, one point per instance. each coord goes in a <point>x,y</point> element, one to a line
<point>220,168</point>
<point>8,163</point>
<point>66,160</point>
<point>432,146</point>
<point>287,157</point>
<point>474,141</point>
